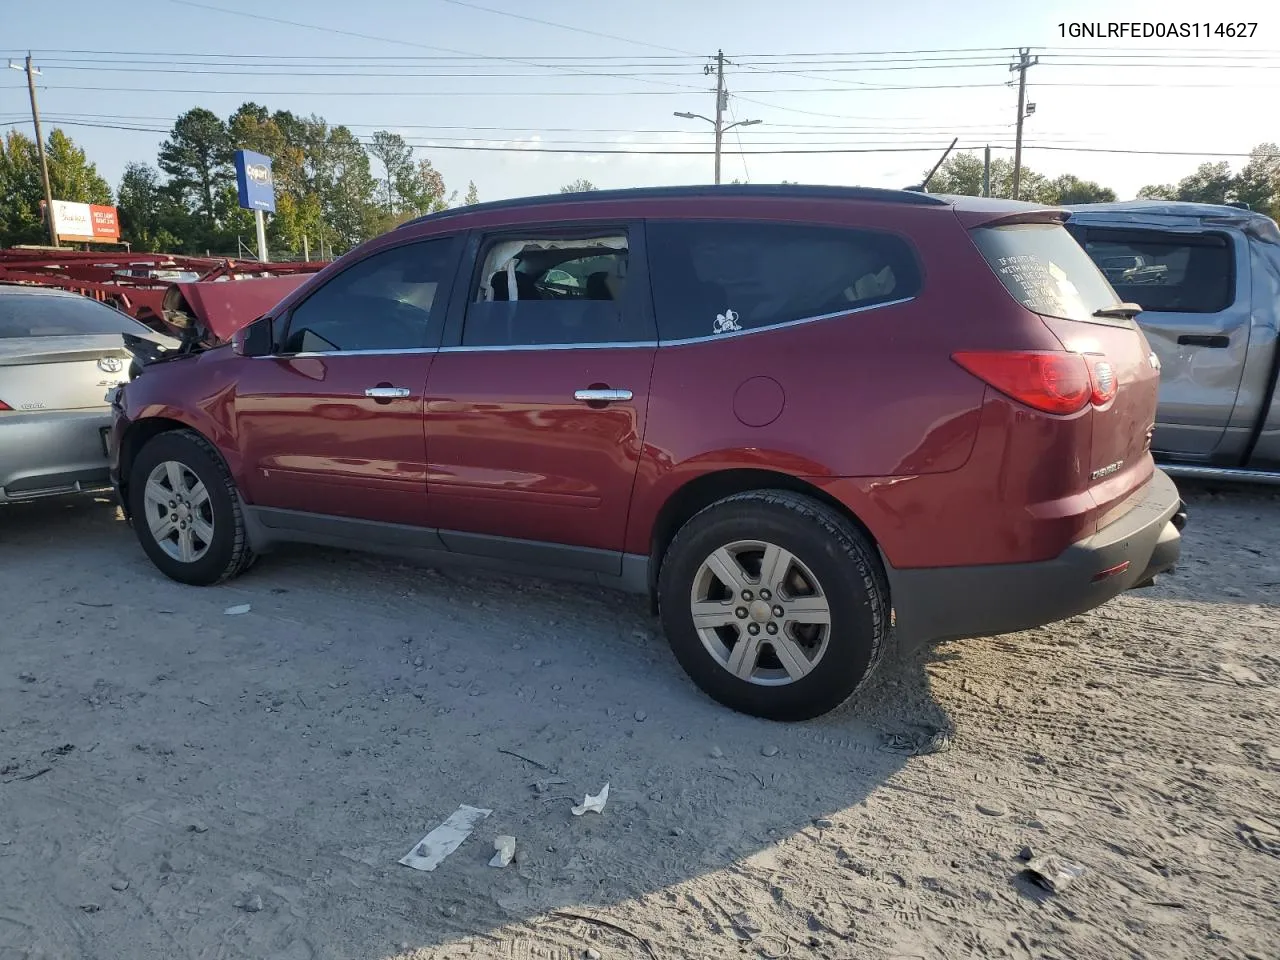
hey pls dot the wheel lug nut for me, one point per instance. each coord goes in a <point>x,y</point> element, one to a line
<point>173,503</point>
<point>753,629</point>
<point>765,595</point>
<point>778,611</point>
<point>747,595</point>
<point>771,628</point>
<point>741,613</point>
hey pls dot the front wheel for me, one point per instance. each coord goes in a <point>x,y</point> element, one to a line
<point>774,604</point>
<point>185,509</point>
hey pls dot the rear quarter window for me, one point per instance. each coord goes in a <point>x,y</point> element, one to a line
<point>1166,272</point>
<point>43,315</point>
<point>716,277</point>
<point>1045,269</point>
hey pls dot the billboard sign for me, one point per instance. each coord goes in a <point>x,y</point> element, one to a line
<point>85,222</point>
<point>254,182</point>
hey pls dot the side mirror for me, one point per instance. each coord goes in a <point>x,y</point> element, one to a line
<point>255,340</point>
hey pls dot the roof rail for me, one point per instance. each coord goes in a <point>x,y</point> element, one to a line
<point>796,191</point>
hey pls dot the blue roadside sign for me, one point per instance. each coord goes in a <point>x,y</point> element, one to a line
<point>254,182</point>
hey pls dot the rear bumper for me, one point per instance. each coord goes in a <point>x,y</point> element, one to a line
<point>48,454</point>
<point>948,603</point>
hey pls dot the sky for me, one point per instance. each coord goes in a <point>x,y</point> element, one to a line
<point>488,96</point>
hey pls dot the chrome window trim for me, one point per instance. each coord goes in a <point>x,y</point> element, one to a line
<point>630,344</point>
<point>347,353</point>
<point>624,345</point>
<point>785,324</point>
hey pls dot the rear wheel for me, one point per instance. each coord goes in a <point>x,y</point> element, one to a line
<point>774,604</point>
<point>185,509</point>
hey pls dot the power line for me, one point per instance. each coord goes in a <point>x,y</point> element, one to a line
<point>365,36</point>
<point>562,26</point>
<point>932,148</point>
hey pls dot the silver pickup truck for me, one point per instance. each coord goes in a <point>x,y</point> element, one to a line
<point>1208,281</point>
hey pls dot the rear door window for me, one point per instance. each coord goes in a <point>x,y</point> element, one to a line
<point>555,289</point>
<point>1045,269</point>
<point>716,277</point>
<point>1166,272</point>
<point>57,315</point>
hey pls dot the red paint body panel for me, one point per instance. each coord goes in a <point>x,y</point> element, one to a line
<point>511,453</point>
<point>311,440</point>
<point>227,305</point>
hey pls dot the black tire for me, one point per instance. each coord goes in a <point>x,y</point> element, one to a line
<point>852,583</point>
<point>228,553</point>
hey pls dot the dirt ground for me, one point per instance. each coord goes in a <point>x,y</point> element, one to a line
<point>178,782</point>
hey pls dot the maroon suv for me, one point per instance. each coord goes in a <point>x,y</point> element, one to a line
<point>801,419</point>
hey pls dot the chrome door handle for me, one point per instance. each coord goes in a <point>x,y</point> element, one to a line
<point>386,393</point>
<point>601,396</point>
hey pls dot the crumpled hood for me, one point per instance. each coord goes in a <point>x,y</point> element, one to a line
<point>210,312</point>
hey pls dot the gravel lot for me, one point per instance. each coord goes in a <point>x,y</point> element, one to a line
<point>180,782</point>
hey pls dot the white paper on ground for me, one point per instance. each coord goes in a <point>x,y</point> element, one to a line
<point>594,804</point>
<point>237,610</point>
<point>506,851</point>
<point>444,839</point>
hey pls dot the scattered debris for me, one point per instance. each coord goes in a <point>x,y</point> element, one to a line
<point>716,753</point>
<point>61,751</point>
<point>608,925</point>
<point>238,609</point>
<point>918,744</point>
<point>1025,854</point>
<point>506,851</point>
<point>98,606</point>
<point>542,786</point>
<point>641,716</point>
<point>120,885</point>
<point>769,751</point>
<point>31,776</point>
<point>27,677</point>
<point>197,826</point>
<point>824,823</point>
<point>1053,873</point>
<point>90,907</point>
<point>428,853</point>
<point>250,903</point>
<point>592,804</point>
<point>591,953</point>
<point>520,756</point>
<point>745,927</point>
<point>768,950</point>
<point>991,808</point>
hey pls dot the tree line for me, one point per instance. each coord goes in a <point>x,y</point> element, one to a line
<point>1257,184</point>
<point>334,191</point>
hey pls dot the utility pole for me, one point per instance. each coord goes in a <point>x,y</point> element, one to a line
<point>32,73</point>
<point>986,171</point>
<point>1025,62</point>
<point>722,101</point>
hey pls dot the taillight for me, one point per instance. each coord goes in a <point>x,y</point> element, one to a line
<point>1102,377</point>
<point>1052,382</point>
<point>4,406</point>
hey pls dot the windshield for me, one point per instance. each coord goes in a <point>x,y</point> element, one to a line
<point>42,315</point>
<point>1045,269</point>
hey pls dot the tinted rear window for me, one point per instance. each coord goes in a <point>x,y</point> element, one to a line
<point>37,315</point>
<point>1045,269</point>
<point>716,277</point>
<point>1166,272</point>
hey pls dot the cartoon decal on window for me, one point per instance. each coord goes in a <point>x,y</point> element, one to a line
<point>726,322</point>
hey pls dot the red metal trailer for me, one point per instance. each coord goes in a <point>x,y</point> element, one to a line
<point>201,299</point>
